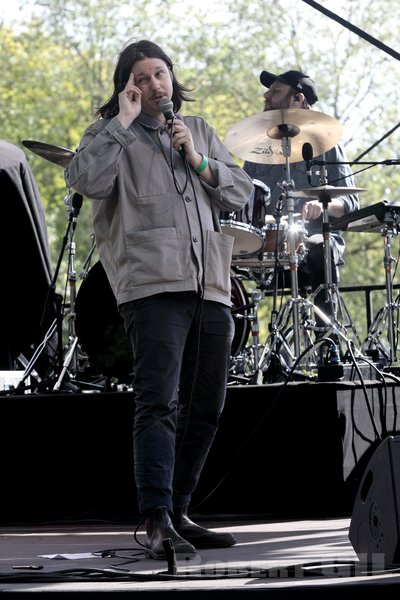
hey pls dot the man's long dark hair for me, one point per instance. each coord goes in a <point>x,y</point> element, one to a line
<point>133,52</point>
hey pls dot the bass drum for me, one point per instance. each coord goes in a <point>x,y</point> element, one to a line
<point>100,329</point>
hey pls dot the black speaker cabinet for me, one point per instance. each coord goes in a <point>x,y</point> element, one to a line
<point>375,523</point>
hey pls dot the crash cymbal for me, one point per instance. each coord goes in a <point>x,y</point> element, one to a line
<point>326,191</point>
<point>56,154</point>
<point>258,138</point>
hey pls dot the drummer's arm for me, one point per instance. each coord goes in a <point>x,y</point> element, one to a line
<point>336,208</point>
<point>313,209</point>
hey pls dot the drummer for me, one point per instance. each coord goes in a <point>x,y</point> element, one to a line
<point>296,90</point>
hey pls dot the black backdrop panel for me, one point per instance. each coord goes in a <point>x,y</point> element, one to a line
<point>278,452</point>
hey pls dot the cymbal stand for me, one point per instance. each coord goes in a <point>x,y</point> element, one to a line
<point>284,340</point>
<point>288,187</point>
<point>71,357</point>
<point>277,337</point>
<point>386,314</point>
<point>55,330</point>
<point>334,303</point>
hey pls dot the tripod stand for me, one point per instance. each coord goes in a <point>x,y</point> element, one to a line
<point>334,305</point>
<point>385,317</point>
<point>61,365</point>
<point>305,316</point>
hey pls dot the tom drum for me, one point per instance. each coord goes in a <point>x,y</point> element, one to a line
<point>246,225</point>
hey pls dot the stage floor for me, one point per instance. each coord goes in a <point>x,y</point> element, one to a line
<point>279,559</point>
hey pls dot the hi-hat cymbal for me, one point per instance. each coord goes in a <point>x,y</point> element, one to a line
<point>258,138</point>
<point>326,191</point>
<point>56,154</point>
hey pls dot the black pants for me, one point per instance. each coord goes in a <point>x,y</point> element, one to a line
<point>181,349</point>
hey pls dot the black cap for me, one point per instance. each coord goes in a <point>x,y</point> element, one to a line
<point>296,79</point>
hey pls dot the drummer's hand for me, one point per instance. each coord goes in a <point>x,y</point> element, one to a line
<point>130,102</point>
<point>311,210</point>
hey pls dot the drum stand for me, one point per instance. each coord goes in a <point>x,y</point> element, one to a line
<point>385,316</point>
<point>334,303</point>
<point>276,341</point>
<point>74,203</point>
<point>285,342</point>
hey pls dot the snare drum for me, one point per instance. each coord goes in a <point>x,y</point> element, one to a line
<point>276,249</point>
<point>246,225</point>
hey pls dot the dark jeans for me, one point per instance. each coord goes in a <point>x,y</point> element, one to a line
<point>181,348</point>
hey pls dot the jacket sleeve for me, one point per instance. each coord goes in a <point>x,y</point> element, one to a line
<point>94,169</point>
<point>234,186</point>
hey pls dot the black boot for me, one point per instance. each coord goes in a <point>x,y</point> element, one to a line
<point>158,528</point>
<point>197,535</point>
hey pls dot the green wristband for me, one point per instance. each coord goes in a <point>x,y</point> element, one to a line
<point>202,165</point>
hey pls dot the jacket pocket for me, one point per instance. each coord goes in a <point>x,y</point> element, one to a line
<point>155,256</point>
<point>218,261</point>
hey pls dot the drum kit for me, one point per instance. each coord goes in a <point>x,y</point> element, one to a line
<point>264,244</point>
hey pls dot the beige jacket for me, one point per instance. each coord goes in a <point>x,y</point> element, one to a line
<point>154,236</point>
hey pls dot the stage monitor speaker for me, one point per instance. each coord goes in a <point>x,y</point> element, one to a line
<point>375,523</point>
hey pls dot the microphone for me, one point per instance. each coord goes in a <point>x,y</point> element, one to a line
<point>77,201</point>
<point>307,152</point>
<point>167,108</point>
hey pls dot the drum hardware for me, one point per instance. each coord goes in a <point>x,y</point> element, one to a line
<point>279,136</point>
<point>101,333</point>
<point>385,317</point>
<point>242,362</point>
<point>279,351</point>
<point>328,191</point>
<point>258,138</point>
<point>382,217</point>
<point>246,225</point>
<point>86,263</point>
<point>74,203</point>
<point>56,154</point>
<point>334,302</point>
<point>244,365</point>
<point>300,332</point>
<point>68,358</point>
<point>286,197</point>
<point>61,364</point>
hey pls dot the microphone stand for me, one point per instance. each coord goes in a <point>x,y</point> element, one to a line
<point>72,354</point>
<point>56,326</point>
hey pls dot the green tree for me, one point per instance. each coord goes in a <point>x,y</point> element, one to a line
<point>60,61</point>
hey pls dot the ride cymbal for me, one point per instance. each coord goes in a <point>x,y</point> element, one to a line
<point>56,154</point>
<point>326,191</point>
<point>259,138</point>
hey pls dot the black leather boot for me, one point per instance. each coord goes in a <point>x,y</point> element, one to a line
<point>158,528</point>
<point>197,535</point>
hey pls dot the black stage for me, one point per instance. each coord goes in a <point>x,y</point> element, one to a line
<point>283,475</point>
<point>296,467</point>
<point>294,450</point>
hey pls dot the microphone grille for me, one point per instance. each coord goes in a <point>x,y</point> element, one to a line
<point>307,151</point>
<point>166,104</point>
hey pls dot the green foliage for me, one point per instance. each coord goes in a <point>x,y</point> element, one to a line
<point>59,59</point>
